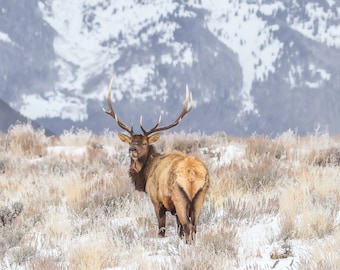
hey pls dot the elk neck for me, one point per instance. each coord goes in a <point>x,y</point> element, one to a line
<point>139,178</point>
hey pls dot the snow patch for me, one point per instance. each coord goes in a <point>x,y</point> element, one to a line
<point>316,26</point>
<point>224,155</point>
<point>5,38</point>
<point>258,240</point>
<point>251,38</point>
<point>318,77</point>
<point>67,150</point>
<point>54,104</point>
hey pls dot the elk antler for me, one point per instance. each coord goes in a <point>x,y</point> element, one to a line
<point>113,114</point>
<point>186,108</point>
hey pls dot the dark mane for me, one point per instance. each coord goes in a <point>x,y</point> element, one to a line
<point>139,179</point>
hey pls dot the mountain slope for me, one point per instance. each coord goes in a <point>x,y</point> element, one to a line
<point>252,67</point>
<point>9,117</point>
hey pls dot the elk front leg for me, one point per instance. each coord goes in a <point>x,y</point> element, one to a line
<point>160,213</point>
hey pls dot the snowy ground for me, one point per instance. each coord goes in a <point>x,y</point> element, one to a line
<point>81,212</point>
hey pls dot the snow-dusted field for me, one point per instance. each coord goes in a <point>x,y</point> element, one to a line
<point>67,203</point>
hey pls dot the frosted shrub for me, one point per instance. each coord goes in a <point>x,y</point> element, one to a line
<point>79,137</point>
<point>8,214</point>
<point>325,157</point>
<point>24,140</point>
<point>276,205</point>
<point>260,174</point>
<point>259,146</point>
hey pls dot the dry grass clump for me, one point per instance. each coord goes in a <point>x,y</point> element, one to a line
<point>322,255</point>
<point>222,238</point>
<point>99,181</point>
<point>260,146</point>
<point>4,142</point>
<point>5,161</point>
<point>47,262</point>
<point>261,168</point>
<point>8,214</point>
<point>94,252</point>
<point>310,206</point>
<point>272,202</point>
<point>186,143</point>
<point>250,208</point>
<point>90,189</point>
<point>304,216</point>
<point>78,137</point>
<point>23,140</point>
<point>201,257</point>
<point>260,174</point>
<point>324,157</point>
<point>10,236</point>
<point>13,231</point>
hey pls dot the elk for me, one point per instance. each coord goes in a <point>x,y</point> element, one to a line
<point>175,182</point>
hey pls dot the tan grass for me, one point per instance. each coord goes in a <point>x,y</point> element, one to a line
<point>57,225</point>
<point>321,255</point>
<point>201,258</point>
<point>46,262</point>
<point>309,207</point>
<point>186,143</point>
<point>221,239</point>
<point>315,221</point>
<point>25,141</point>
<point>79,137</point>
<point>91,254</point>
<point>256,175</point>
<point>262,146</point>
<point>80,210</point>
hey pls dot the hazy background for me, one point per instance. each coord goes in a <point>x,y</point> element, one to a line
<point>253,66</point>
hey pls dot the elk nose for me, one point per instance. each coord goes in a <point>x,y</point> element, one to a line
<point>132,149</point>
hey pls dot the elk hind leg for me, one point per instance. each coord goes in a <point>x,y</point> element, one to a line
<point>182,205</point>
<point>196,207</point>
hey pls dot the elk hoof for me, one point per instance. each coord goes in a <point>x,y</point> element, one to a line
<point>161,232</point>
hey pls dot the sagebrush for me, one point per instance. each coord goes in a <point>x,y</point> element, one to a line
<point>67,203</point>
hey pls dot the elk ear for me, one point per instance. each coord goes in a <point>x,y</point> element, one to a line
<point>124,138</point>
<point>154,138</point>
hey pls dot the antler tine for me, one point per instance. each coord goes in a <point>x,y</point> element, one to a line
<point>113,114</point>
<point>186,109</point>
<point>188,98</point>
<point>146,133</point>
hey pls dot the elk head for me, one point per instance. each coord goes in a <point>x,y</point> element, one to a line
<point>141,148</point>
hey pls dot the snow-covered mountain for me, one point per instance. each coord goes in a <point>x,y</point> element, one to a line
<point>253,66</point>
<point>10,117</point>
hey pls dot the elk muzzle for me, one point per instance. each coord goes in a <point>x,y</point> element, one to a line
<point>133,152</point>
<point>132,149</point>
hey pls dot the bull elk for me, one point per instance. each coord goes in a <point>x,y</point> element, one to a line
<point>175,182</point>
